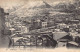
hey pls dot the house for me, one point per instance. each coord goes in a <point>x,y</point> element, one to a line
<point>36,24</point>
<point>58,35</point>
<point>62,25</point>
<point>74,21</point>
<point>44,24</point>
<point>72,44</point>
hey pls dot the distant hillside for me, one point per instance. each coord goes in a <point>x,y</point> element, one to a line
<point>42,8</point>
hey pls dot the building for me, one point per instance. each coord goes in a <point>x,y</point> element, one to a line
<point>44,24</point>
<point>62,25</point>
<point>57,35</point>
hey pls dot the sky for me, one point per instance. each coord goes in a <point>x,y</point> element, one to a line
<point>10,3</point>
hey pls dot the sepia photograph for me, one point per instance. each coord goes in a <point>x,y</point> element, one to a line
<point>40,24</point>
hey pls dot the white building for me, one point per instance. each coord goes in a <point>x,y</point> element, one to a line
<point>44,24</point>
